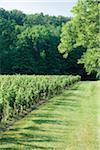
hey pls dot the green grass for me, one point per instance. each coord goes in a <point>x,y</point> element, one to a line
<point>67,122</point>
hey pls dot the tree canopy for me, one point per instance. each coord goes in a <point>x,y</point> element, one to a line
<point>28,43</point>
<point>83,30</point>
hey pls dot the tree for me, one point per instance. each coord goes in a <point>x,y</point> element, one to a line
<point>41,19</point>
<point>68,38</point>
<point>34,19</point>
<point>4,14</point>
<point>18,16</point>
<point>83,30</point>
<point>7,39</point>
<point>72,67</point>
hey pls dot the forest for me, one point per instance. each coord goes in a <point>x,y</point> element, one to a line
<point>29,43</point>
<point>43,44</point>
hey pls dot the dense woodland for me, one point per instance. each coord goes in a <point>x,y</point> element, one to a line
<point>29,43</point>
<point>39,44</point>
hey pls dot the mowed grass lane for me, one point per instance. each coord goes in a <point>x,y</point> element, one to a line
<point>69,121</point>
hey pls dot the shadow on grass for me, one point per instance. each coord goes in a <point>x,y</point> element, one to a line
<point>8,139</point>
<point>37,138</point>
<point>41,121</point>
<point>34,147</point>
<point>10,148</point>
<point>25,137</point>
<point>34,133</point>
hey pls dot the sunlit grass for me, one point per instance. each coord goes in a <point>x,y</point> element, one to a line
<point>66,122</point>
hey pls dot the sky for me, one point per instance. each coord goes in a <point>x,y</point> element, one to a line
<point>51,7</point>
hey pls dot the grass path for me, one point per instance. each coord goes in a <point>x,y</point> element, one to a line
<point>67,122</point>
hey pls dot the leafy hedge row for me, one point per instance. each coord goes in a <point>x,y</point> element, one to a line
<point>19,93</point>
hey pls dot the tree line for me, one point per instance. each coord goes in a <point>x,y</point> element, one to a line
<point>43,44</point>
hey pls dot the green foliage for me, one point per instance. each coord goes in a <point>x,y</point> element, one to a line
<point>4,14</point>
<point>68,39</point>
<point>19,93</point>
<point>92,60</point>
<point>18,16</point>
<point>7,40</point>
<point>33,50</point>
<point>28,43</point>
<point>72,67</point>
<point>41,19</point>
<point>83,30</point>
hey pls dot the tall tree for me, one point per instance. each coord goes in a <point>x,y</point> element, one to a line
<point>7,40</point>
<point>83,30</point>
